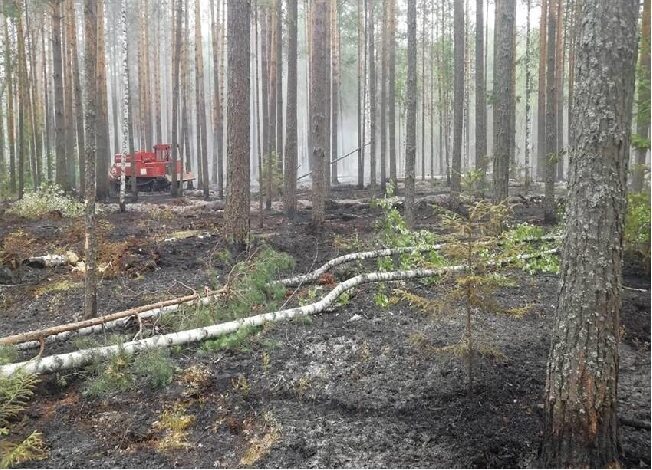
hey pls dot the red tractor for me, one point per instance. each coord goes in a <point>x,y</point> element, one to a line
<point>153,170</point>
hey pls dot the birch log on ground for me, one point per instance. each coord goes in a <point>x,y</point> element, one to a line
<point>80,358</point>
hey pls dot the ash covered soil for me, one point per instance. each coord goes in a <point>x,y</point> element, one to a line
<point>357,386</point>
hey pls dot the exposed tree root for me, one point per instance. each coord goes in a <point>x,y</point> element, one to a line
<point>80,358</point>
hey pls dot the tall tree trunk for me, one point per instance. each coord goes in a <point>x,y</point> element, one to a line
<point>581,425</point>
<point>480,94</point>
<point>175,98</point>
<point>279,85</point>
<point>91,61</point>
<point>423,91</point>
<point>549,215</point>
<point>360,108</point>
<point>79,107</point>
<point>642,143</point>
<point>383,102</point>
<point>23,109</point>
<point>271,103</point>
<point>236,214</point>
<point>156,85</point>
<point>59,116</point>
<point>103,143</point>
<point>503,96</point>
<point>335,88</point>
<point>48,121</point>
<point>528,89</point>
<point>290,187</point>
<point>202,143</point>
<point>69,128</point>
<point>372,95</point>
<point>218,131</point>
<point>541,100</point>
<point>560,44</point>
<point>319,110</point>
<point>411,110</point>
<point>458,27</point>
<point>391,90</point>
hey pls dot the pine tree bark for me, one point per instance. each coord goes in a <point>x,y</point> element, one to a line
<point>528,90</point>
<point>458,98</point>
<point>360,108</point>
<point>103,142</point>
<point>541,100</point>
<point>480,93</point>
<point>175,98</point>
<point>560,44</point>
<point>503,95</point>
<point>319,109</point>
<point>642,102</point>
<point>391,90</point>
<point>91,61</point>
<point>279,85</point>
<point>290,179</point>
<point>411,112</point>
<point>79,107</point>
<point>383,102</point>
<point>236,213</point>
<point>218,131</point>
<point>69,91</point>
<point>549,215</point>
<point>581,425</point>
<point>202,144</point>
<point>371,7</point>
<point>23,109</point>
<point>335,84</point>
<point>59,117</point>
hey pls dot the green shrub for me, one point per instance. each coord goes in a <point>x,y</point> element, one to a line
<point>46,199</point>
<point>637,226</point>
<point>154,367</point>
<point>231,341</point>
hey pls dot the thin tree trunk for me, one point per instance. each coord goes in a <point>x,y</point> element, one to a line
<point>560,44</point>
<point>411,109</point>
<point>69,87</point>
<point>360,108</point>
<point>383,102</point>
<point>423,91</point>
<point>528,89</point>
<point>279,85</point>
<point>458,80</point>
<point>202,143</point>
<point>23,108</point>
<point>91,50</point>
<point>391,91</point>
<point>335,84</point>
<point>549,215</point>
<point>175,98</point>
<point>79,107</point>
<point>218,130</point>
<point>372,95</point>
<point>480,94</point>
<point>290,187</point>
<point>581,424</point>
<point>59,116</point>
<point>541,101</point>
<point>103,147</point>
<point>642,143</point>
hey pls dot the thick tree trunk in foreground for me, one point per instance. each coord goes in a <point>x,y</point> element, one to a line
<point>458,98</point>
<point>643,101</point>
<point>581,426</point>
<point>236,213</point>
<point>90,68</point>
<point>411,98</point>
<point>290,179</point>
<point>503,94</point>
<point>319,110</point>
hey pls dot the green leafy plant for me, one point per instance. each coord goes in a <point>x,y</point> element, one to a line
<point>48,198</point>
<point>231,341</point>
<point>637,227</point>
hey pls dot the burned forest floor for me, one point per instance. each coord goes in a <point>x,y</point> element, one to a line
<point>365,384</point>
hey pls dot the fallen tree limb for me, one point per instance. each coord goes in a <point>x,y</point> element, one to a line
<point>31,338</point>
<point>80,358</point>
<point>317,273</point>
<point>49,261</point>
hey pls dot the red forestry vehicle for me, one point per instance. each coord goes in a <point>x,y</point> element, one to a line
<point>153,170</point>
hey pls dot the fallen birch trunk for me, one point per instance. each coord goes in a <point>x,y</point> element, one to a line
<point>32,339</point>
<point>317,273</point>
<point>49,261</point>
<point>76,359</point>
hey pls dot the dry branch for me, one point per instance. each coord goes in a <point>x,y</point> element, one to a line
<point>31,339</point>
<point>80,358</point>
